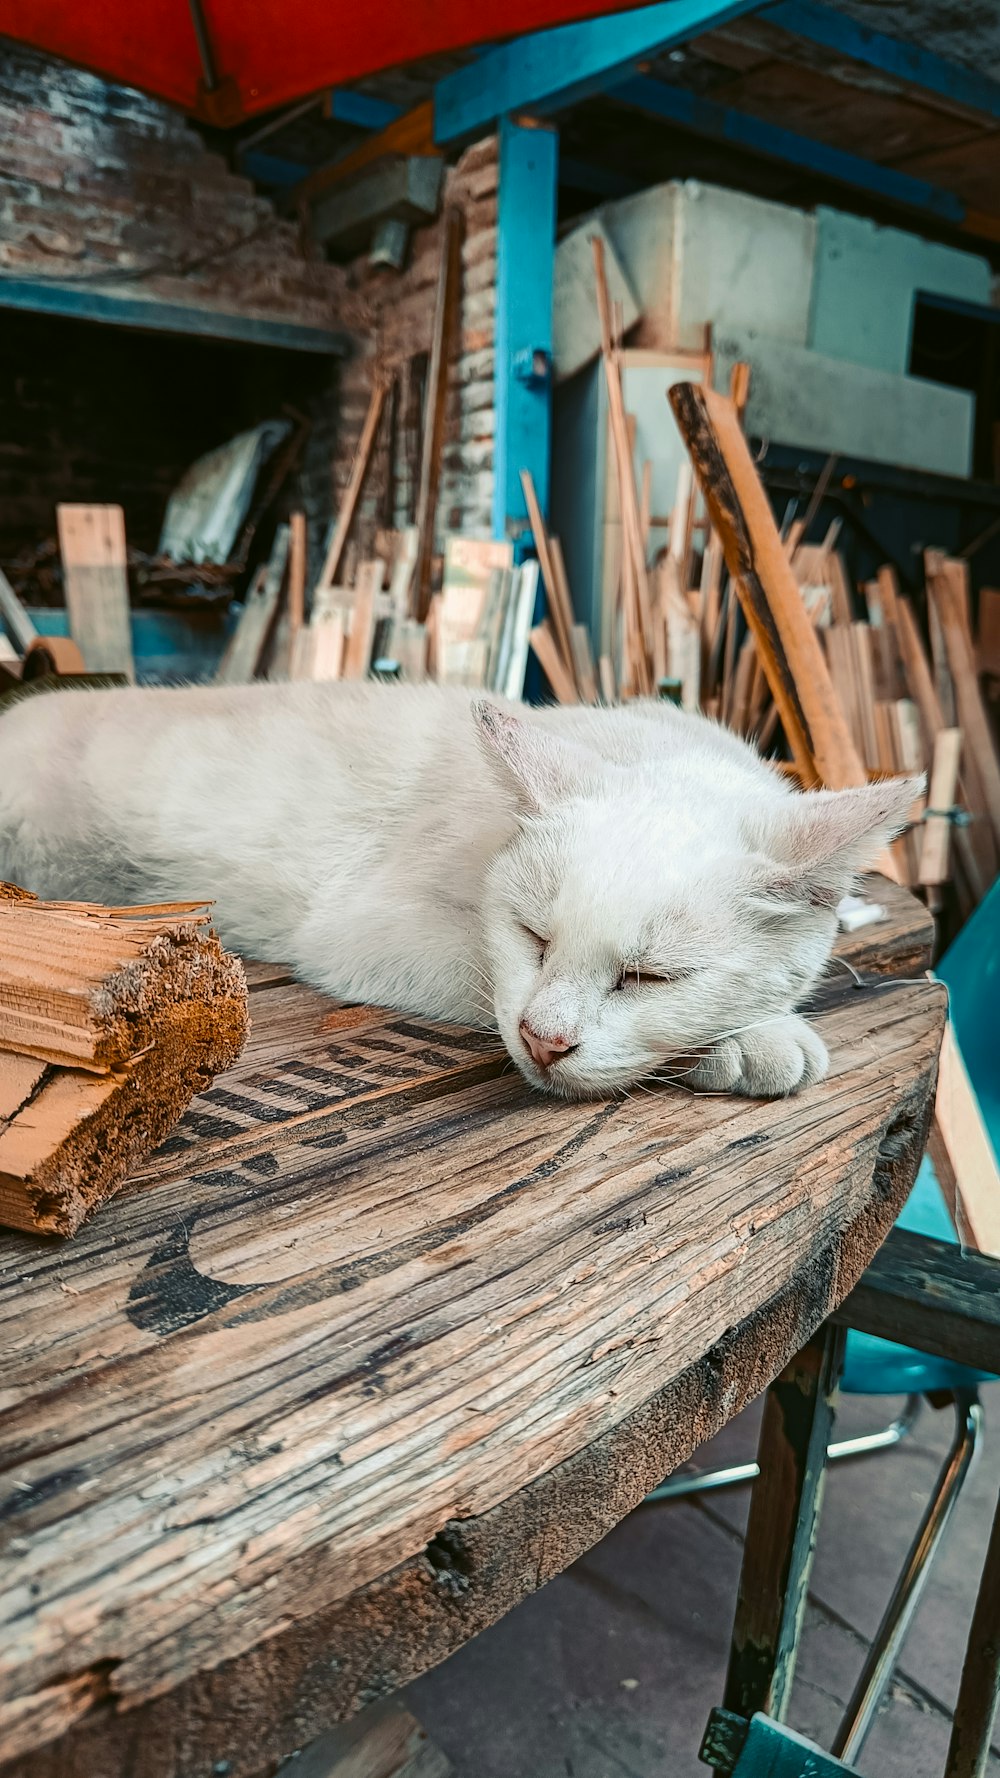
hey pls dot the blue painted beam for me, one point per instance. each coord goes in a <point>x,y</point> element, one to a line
<point>526,245</point>
<point>79,303</point>
<point>271,169</point>
<point>549,70</point>
<point>903,61</point>
<point>705,118</point>
<point>346,106</point>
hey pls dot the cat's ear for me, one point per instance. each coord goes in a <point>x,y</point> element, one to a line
<point>541,769</point>
<point>821,840</point>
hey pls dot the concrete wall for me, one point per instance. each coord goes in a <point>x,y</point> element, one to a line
<point>831,288</point>
<point>864,283</point>
<point>802,397</point>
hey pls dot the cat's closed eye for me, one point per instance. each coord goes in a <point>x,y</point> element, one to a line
<point>536,938</point>
<point>633,977</point>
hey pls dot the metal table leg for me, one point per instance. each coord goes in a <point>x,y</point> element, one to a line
<point>979,1692</point>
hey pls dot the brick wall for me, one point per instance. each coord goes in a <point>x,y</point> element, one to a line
<point>99,179</point>
<point>402,308</point>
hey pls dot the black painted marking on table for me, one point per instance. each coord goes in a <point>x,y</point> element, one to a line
<point>170,1293</point>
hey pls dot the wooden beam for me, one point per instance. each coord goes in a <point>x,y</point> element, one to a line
<point>962,89</point>
<point>548,70</point>
<point>413,133</point>
<point>769,593</point>
<point>933,1295</point>
<point>738,130</point>
<point>435,398</point>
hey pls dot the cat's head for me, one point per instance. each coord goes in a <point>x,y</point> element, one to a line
<point>625,928</point>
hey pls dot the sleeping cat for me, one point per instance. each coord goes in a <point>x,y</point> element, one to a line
<point>621,892</point>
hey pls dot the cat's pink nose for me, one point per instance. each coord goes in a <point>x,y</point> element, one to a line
<point>544,1050</point>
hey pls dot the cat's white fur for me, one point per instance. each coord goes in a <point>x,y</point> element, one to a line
<point>400,845</point>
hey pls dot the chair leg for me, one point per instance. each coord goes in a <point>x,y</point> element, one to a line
<point>677,1486</point>
<point>781,1530</point>
<point>884,1652</point>
<point>979,1692</point>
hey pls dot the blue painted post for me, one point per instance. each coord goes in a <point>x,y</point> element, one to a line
<point>526,234</point>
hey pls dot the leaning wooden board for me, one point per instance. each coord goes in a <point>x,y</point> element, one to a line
<point>382,1341</point>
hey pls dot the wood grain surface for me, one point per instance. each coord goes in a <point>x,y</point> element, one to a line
<point>382,1340</point>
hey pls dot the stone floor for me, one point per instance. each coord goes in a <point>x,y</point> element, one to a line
<point>611,1670</point>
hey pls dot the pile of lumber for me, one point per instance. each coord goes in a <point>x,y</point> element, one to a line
<point>111,1019</point>
<point>864,684</point>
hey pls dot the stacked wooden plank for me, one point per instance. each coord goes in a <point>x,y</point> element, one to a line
<point>111,1019</point>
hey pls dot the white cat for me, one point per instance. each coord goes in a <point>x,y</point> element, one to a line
<point>615,889</point>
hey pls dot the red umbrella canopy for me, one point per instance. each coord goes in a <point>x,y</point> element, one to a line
<point>223,60</point>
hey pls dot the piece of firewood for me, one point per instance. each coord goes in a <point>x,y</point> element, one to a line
<point>145,1003</point>
<point>86,987</point>
<point>95,573</point>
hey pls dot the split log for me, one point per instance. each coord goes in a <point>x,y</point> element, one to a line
<point>111,1020</point>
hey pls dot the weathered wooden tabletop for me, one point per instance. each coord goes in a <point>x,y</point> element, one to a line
<point>381,1340</point>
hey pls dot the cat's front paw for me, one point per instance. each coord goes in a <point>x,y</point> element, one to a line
<point>768,1062</point>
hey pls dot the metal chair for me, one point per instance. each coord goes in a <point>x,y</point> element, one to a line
<point>878,1367</point>
<point>971,970</point>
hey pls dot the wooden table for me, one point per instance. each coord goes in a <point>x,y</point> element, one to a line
<point>381,1341</point>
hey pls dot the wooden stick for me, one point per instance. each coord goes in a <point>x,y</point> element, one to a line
<point>936,846</point>
<point>359,470</point>
<point>739,388</point>
<point>563,615</point>
<point>449,278</point>
<point>639,627</point>
<point>551,662</point>
<point>557,598</point>
<point>609,691</point>
<point>95,571</point>
<point>583,662</point>
<point>298,554</point>
<point>247,643</point>
<point>786,641</point>
<point>946,600</point>
<point>973,845</point>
